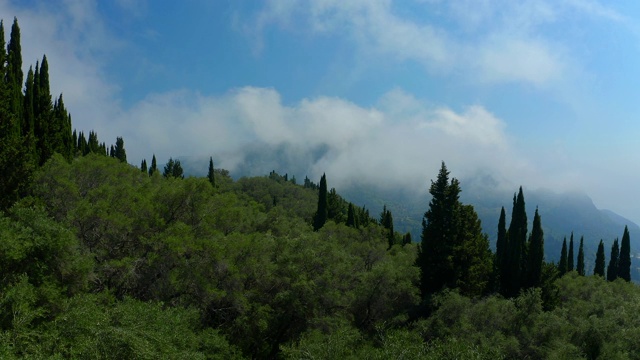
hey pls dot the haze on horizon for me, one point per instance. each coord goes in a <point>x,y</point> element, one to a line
<point>539,93</point>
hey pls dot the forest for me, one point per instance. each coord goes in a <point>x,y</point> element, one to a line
<point>106,260</point>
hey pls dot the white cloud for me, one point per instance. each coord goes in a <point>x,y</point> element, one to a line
<point>500,40</point>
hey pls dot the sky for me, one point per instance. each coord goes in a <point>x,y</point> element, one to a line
<point>542,93</point>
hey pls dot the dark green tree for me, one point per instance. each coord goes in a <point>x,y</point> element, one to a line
<point>154,165</point>
<point>173,168</point>
<point>570,256</point>
<point>500,261</point>
<point>322,213</point>
<point>143,166</point>
<point>336,207</point>
<point>614,261</point>
<point>516,251</point>
<point>562,265</point>
<point>14,76</point>
<point>580,265</point>
<point>535,257</point>
<point>406,239</point>
<point>453,253</point>
<point>211,174</point>
<point>624,263</point>
<point>120,152</point>
<point>178,172</point>
<point>351,216</point>
<point>168,168</point>
<point>600,260</point>
<point>386,220</point>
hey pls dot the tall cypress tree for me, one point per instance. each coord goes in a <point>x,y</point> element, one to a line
<point>600,260</point>
<point>154,165</point>
<point>535,256</point>
<point>517,246</point>
<point>580,266</point>
<point>499,264</point>
<point>143,166</point>
<point>562,265</point>
<point>45,126</point>
<point>321,215</point>
<point>14,77</point>
<point>570,257</point>
<point>614,262</point>
<point>211,173</point>
<point>624,263</point>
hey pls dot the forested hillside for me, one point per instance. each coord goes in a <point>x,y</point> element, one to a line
<point>103,259</point>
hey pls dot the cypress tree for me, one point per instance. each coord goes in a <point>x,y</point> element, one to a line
<point>500,262</point>
<point>14,76</point>
<point>614,261</point>
<point>535,257</point>
<point>28,111</point>
<point>351,216</point>
<point>624,264</point>
<point>321,215</point>
<point>45,125</point>
<point>517,246</point>
<point>562,265</point>
<point>143,166</point>
<point>154,166</point>
<point>211,173</point>
<point>580,265</point>
<point>600,260</point>
<point>570,255</point>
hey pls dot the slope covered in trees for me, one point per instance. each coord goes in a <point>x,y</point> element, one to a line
<point>100,259</point>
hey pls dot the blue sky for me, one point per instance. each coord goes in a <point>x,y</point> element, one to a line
<point>539,93</point>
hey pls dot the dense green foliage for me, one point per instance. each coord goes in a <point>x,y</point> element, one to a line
<point>99,259</point>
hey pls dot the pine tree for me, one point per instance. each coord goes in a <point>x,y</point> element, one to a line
<point>580,265</point>
<point>154,166</point>
<point>614,261</point>
<point>177,172</point>
<point>453,252</point>
<point>120,152</point>
<point>562,265</point>
<point>535,257</point>
<point>570,255</point>
<point>143,166</point>
<point>321,215</point>
<point>211,173</point>
<point>168,168</point>
<point>600,260</point>
<point>624,263</point>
